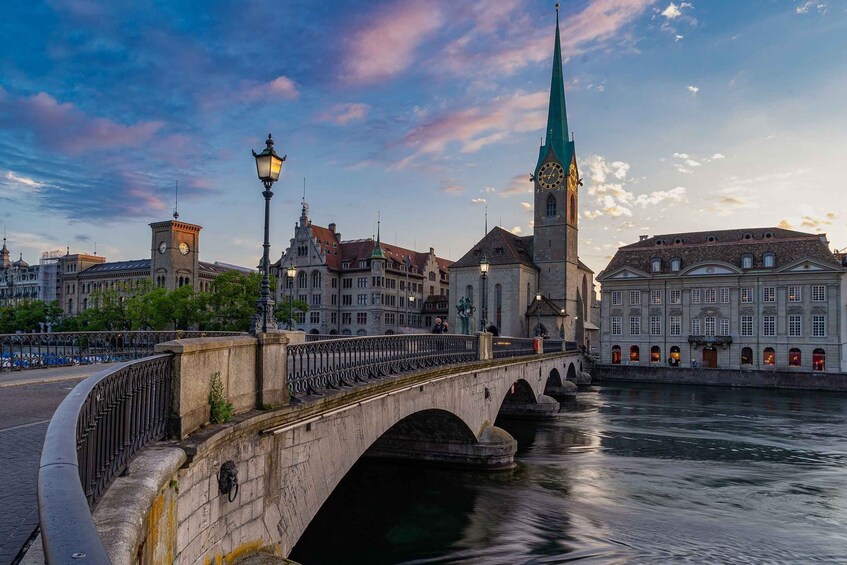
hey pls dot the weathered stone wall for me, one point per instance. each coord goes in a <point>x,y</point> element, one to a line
<point>801,380</point>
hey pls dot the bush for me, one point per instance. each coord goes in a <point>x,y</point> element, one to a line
<point>221,410</point>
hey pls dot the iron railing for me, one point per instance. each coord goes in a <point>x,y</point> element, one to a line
<point>512,346</point>
<point>332,364</point>
<point>551,345</point>
<point>61,349</point>
<point>91,438</point>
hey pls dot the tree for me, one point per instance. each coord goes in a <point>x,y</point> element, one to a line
<point>284,315</point>
<point>232,301</point>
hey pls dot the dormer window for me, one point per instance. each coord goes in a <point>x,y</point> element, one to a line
<point>711,239</point>
<point>747,262</point>
<point>768,259</point>
<point>660,242</point>
<point>656,265</point>
<point>676,263</point>
<point>678,240</point>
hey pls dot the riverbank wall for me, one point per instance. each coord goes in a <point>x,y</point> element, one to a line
<point>753,378</point>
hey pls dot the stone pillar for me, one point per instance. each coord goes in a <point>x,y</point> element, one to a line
<point>545,408</point>
<point>271,370</point>
<point>486,346</point>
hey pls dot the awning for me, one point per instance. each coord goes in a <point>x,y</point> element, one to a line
<point>590,326</point>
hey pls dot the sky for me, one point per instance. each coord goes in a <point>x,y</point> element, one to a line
<point>688,116</point>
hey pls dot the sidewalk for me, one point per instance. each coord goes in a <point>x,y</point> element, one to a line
<point>35,376</point>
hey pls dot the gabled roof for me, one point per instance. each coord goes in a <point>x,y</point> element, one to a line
<point>500,247</point>
<point>118,267</point>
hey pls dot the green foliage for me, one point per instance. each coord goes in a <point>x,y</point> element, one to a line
<point>220,410</point>
<point>284,313</point>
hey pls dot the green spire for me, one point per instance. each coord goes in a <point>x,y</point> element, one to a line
<point>377,253</point>
<point>557,116</point>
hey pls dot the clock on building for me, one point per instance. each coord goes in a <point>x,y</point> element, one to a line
<point>162,247</point>
<point>573,178</point>
<point>551,175</point>
<point>183,248</point>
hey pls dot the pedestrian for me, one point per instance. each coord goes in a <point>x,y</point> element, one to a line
<point>439,327</point>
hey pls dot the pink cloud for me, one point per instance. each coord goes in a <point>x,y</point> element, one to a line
<point>343,113</point>
<point>66,128</point>
<point>280,87</point>
<point>387,45</point>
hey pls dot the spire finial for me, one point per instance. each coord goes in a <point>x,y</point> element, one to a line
<point>176,202</point>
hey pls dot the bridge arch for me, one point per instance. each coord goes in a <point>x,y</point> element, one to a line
<point>571,372</point>
<point>554,381</point>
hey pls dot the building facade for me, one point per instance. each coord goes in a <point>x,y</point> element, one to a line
<point>19,282</point>
<point>359,287</point>
<point>747,298</point>
<point>536,285</point>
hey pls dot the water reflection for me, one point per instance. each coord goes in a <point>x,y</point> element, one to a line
<point>626,474</point>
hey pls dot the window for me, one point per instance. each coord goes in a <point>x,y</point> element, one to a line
<point>769,325</point>
<point>375,298</point>
<point>818,293</point>
<point>675,326</point>
<point>432,275</point>
<point>723,328</point>
<point>346,318</point>
<point>710,296</point>
<point>746,356</point>
<point>616,354</point>
<point>794,294</point>
<point>302,280</point>
<point>347,300</point>
<point>363,264</point>
<point>655,325</point>
<point>695,296</point>
<point>710,325</point>
<point>345,265</point>
<point>390,319</point>
<point>675,265</point>
<point>300,317</point>
<point>633,354</point>
<point>316,300</point>
<point>334,283</point>
<point>769,356</point>
<point>635,325</point>
<point>675,354</point>
<point>617,298</point>
<point>635,297</point>
<point>747,295</point>
<point>333,299</point>
<point>768,294</point>
<point>362,282</point>
<point>747,262</point>
<point>676,297</point>
<point>818,326</point>
<point>655,354</point>
<point>361,317</point>
<point>747,326</point>
<point>616,325</point>
<point>695,326</point>
<point>316,279</point>
<point>724,294</point>
<point>551,206</point>
<point>348,283</point>
<point>818,360</point>
<point>655,297</point>
<point>656,265</point>
<point>768,260</point>
<point>794,357</point>
<point>333,318</point>
<point>795,325</point>
<point>315,317</point>
<point>362,299</point>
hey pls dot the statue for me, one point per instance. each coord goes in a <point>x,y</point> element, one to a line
<point>465,310</point>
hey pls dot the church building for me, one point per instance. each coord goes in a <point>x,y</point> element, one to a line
<point>536,285</point>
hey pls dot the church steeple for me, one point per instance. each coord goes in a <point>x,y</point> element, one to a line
<point>377,252</point>
<point>5,262</point>
<point>557,116</point>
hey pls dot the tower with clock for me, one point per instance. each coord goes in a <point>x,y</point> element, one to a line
<point>175,254</point>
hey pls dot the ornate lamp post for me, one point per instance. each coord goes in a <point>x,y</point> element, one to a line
<point>483,273</point>
<point>290,273</point>
<point>268,167</point>
<point>538,313</point>
<point>411,305</point>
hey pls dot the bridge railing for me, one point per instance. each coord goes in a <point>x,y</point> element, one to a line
<point>25,351</point>
<point>332,364</point>
<point>91,438</point>
<point>504,346</point>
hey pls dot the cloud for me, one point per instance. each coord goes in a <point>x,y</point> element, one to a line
<point>658,196</point>
<point>488,190</point>
<point>518,184</point>
<point>682,155</point>
<point>672,11</point>
<point>449,187</point>
<point>479,201</point>
<point>342,114</point>
<point>784,224</point>
<point>807,221</point>
<point>693,89</point>
<point>516,230</point>
<point>18,188</point>
<point>804,7</point>
<point>283,87</point>
<point>386,45</point>
<point>526,206</point>
<point>717,156</point>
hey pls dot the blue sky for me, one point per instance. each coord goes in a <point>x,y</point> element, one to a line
<point>687,115</point>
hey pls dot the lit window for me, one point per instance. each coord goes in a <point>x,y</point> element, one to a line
<point>746,295</point>
<point>794,294</point>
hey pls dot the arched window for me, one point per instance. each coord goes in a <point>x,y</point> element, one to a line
<point>316,279</point>
<point>633,354</point>
<point>746,356</point>
<point>656,265</point>
<point>675,355</point>
<point>616,354</point>
<point>769,356</point>
<point>768,259</point>
<point>794,357</point>
<point>676,264</point>
<point>747,262</point>
<point>818,360</point>
<point>655,354</point>
<point>573,209</point>
<point>551,206</point>
<point>302,280</point>
<point>361,332</point>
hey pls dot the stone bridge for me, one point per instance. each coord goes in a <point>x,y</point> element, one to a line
<point>288,459</point>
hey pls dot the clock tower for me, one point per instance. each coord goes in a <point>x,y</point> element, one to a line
<point>556,188</point>
<point>175,254</point>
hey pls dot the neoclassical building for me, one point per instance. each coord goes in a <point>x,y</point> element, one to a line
<point>756,298</point>
<point>360,286</point>
<point>537,284</point>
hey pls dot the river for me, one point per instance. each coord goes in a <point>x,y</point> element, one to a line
<point>626,474</point>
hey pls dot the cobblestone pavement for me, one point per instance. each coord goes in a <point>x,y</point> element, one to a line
<point>25,411</point>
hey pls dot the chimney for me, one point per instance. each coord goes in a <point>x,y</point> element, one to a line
<point>332,227</point>
<point>643,237</point>
<point>432,250</point>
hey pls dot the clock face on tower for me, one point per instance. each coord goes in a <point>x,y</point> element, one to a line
<point>162,248</point>
<point>573,178</point>
<point>183,248</point>
<point>551,175</point>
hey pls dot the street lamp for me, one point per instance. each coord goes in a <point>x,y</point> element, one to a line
<point>268,167</point>
<point>412,306</point>
<point>290,272</point>
<point>483,272</point>
<point>564,315</point>
<point>538,313</point>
